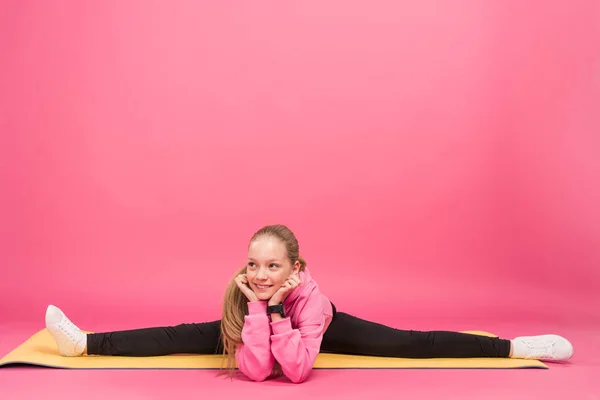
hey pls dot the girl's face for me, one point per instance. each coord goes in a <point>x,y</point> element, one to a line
<point>268,266</point>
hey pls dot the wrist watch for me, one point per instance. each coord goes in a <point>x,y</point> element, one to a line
<point>276,309</point>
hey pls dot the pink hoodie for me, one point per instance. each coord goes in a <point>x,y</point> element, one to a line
<point>294,341</point>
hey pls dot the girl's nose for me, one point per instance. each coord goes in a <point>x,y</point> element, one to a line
<point>261,274</point>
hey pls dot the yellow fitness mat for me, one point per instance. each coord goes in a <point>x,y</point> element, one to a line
<point>40,350</point>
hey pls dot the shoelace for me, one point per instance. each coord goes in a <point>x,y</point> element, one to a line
<point>70,327</point>
<point>543,350</point>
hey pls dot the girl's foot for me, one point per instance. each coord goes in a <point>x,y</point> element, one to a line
<point>542,347</point>
<point>71,341</point>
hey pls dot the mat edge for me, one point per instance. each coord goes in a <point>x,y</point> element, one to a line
<point>39,365</point>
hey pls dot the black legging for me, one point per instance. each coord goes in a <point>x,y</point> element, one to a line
<point>346,335</point>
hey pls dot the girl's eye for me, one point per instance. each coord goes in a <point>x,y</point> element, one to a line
<point>252,265</point>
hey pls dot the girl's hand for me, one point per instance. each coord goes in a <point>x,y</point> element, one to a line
<point>290,284</point>
<point>242,283</point>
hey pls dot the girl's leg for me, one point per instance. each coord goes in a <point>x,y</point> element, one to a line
<point>202,338</point>
<point>351,335</point>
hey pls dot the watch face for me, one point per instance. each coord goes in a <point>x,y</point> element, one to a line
<point>276,309</point>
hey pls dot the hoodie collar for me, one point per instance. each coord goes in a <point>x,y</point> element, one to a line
<point>305,278</point>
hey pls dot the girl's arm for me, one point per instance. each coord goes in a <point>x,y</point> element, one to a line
<point>254,357</point>
<point>297,349</point>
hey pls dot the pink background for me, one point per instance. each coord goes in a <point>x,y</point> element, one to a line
<point>435,159</point>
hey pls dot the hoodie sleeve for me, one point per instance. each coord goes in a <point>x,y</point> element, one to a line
<point>253,356</point>
<point>297,349</point>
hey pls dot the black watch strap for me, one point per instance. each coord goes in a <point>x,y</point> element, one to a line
<point>276,309</point>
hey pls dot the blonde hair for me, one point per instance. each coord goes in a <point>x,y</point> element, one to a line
<point>235,305</point>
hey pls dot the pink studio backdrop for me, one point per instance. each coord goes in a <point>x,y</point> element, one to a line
<point>436,159</point>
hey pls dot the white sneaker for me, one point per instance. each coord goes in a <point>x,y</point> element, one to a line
<point>542,347</point>
<point>70,339</point>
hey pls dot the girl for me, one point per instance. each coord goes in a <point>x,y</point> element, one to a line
<point>275,320</point>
